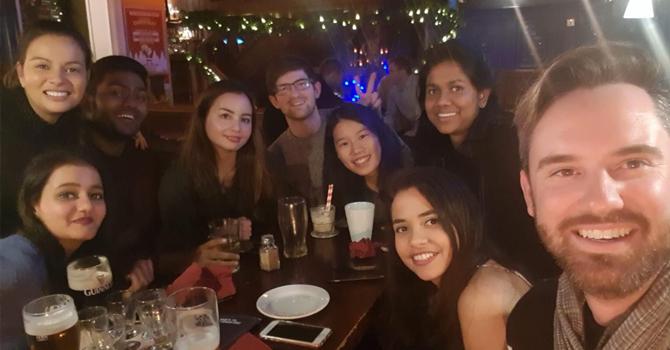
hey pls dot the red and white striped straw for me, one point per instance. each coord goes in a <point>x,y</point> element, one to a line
<point>329,198</point>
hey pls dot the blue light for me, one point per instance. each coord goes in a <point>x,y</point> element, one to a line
<point>225,41</point>
<point>346,83</point>
<point>356,96</point>
<point>240,41</point>
<point>353,100</point>
<point>353,82</point>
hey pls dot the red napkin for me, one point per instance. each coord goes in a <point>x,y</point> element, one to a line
<point>249,342</point>
<point>218,278</point>
<point>364,248</point>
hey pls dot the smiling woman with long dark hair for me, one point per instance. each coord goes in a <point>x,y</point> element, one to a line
<point>446,288</point>
<point>221,174</point>
<point>360,152</point>
<point>39,105</point>
<point>464,130</point>
<point>62,205</point>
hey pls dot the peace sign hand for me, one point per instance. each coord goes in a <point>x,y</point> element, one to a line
<point>369,98</point>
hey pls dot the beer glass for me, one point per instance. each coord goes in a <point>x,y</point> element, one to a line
<point>51,323</point>
<point>292,214</point>
<point>197,317</point>
<point>229,231</point>
<point>90,278</point>
<point>158,321</point>
<point>121,302</point>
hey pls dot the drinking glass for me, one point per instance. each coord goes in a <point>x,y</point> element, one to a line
<point>292,214</point>
<point>121,302</point>
<point>158,321</point>
<point>229,231</point>
<point>197,317</point>
<point>323,221</point>
<point>360,218</point>
<point>90,278</point>
<point>50,323</point>
<point>94,329</point>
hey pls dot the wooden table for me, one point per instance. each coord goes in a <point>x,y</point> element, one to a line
<point>347,314</point>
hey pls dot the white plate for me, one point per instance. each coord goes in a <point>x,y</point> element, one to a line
<point>293,301</point>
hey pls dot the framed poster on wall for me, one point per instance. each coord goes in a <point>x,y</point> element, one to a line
<point>146,38</point>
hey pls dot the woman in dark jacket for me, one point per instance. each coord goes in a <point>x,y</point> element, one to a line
<point>464,130</point>
<point>40,102</point>
<point>221,174</point>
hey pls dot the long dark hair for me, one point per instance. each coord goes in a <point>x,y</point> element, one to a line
<point>432,144</point>
<point>198,156</point>
<point>37,30</point>
<point>36,176</point>
<point>349,185</point>
<point>420,314</point>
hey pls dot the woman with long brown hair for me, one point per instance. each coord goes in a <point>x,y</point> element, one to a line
<point>221,174</point>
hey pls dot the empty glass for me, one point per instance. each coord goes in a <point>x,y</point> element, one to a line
<point>229,231</point>
<point>121,303</point>
<point>99,332</point>
<point>51,323</point>
<point>197,317</point>
<point>158,321</point>
<point>292,215</point>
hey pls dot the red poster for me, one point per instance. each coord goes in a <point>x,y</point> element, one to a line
<point>146,39</point>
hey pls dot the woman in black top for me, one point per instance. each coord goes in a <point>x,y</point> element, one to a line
<point>39,105</point>
<point>464,130</point>
<point>360,152</point>
<point>221,174</point>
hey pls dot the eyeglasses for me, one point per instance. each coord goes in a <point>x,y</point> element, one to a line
<point>300,85</point>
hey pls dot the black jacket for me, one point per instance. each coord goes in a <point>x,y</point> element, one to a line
<point>24,135</point>
<point>488,161</point>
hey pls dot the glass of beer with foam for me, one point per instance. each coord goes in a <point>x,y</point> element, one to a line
<point>51,323</point>
<point>91,280</point>
<point>197,316</point>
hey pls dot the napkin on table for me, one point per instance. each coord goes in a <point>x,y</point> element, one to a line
<point>218,278</point>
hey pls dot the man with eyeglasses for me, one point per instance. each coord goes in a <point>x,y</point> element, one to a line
<point>297,154</point>
<point>115,105</point>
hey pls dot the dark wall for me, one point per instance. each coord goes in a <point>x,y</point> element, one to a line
<point>501,36</point>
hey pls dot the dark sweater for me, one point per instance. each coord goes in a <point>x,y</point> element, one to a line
<point>186,213</point>
<point>488,161</point>
<point>132,222</point>
<point>24,135</point>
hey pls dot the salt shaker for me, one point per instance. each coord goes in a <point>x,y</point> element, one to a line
<point>269,253</point>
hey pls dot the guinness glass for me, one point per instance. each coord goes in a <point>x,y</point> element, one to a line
<point>51,323</point>
<point>90,279</point>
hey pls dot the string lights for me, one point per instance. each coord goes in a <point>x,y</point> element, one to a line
<point>196,26</point>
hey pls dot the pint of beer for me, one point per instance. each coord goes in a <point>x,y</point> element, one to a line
<point>51,323</point>
<point>91,279</point>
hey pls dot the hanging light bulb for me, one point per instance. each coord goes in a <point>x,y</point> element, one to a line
<point>639,9</point>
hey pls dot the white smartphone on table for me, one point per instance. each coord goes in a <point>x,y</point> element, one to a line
<point>296,333</point>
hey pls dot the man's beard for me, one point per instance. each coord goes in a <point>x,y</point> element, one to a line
<point>611,276</point>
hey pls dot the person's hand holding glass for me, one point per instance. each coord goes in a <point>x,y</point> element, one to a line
<point>224,246</point>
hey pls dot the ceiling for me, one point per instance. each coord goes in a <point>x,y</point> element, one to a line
<point>497,4</point>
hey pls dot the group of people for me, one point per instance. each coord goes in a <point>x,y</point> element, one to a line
<point>581,169</point>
